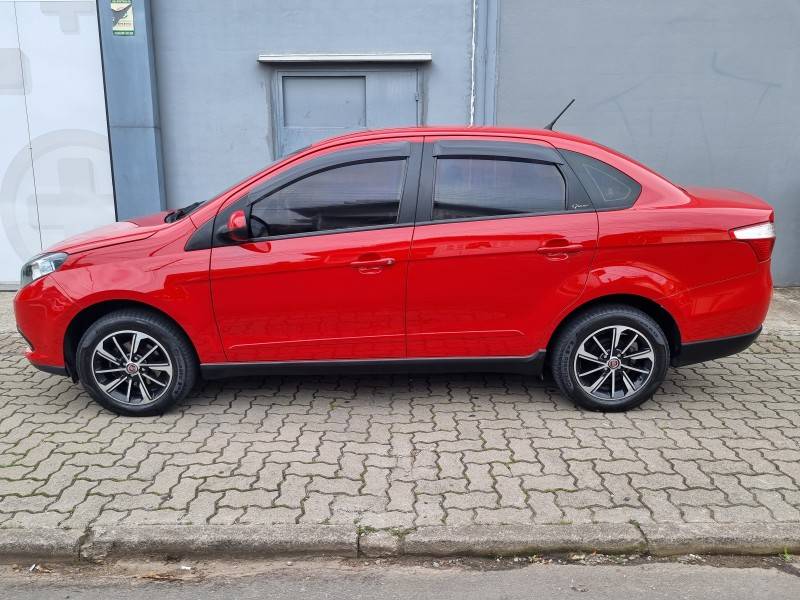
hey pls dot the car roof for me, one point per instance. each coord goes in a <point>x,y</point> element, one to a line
<point>477,131</point>
<point>370,134</point>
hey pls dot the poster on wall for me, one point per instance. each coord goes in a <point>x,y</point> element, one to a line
<point>122,17</point>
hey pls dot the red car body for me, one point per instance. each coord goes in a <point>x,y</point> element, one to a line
<point>471,289</point>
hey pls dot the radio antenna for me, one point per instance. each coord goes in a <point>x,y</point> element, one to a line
<point>553,122</point>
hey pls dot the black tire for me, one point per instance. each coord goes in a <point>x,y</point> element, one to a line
<point>630,321</point>
<point>179,353</point>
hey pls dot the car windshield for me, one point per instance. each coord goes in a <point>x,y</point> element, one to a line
<point>178,213</point>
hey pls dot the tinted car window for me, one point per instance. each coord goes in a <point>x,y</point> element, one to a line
<point>608,187</point>
<point>357,195</point>
<point>486,187</point>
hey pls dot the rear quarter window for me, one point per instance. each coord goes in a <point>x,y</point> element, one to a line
<point>608,187</point>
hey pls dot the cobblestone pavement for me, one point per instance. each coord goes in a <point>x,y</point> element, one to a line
<point>719,443</point>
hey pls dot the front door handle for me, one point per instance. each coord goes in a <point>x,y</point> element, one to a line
<point>372,265</point>
<point>563,249</point>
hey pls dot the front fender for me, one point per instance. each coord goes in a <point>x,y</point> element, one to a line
<point>175,284</point>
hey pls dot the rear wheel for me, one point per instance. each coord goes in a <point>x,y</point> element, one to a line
<point>136,363</point>
<point>610,358</point>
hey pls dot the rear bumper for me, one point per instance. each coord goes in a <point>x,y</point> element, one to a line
<point>697,352</point>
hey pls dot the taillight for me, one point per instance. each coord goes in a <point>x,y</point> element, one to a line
<point>761,238</point>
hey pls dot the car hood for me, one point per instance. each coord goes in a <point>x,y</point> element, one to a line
<point>114,233</point>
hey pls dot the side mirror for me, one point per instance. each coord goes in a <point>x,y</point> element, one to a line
<point>236,229</point>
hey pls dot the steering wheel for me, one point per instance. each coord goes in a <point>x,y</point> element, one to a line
<point>260,221</point>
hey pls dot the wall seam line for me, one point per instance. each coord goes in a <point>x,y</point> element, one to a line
<point>472,63</point>
<point>28,128</point>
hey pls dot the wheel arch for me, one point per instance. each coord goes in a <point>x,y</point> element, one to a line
<point>88,315</point>
<point>650,307</point>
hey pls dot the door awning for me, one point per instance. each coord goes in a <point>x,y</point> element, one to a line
<point>392,57</point>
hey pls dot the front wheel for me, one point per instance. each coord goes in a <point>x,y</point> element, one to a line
<point>136,363</point>
<point>610,358</point>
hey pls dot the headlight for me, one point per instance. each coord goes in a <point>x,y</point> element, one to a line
<point>39,266</point>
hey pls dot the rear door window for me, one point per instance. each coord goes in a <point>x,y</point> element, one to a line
<point>483,187</point>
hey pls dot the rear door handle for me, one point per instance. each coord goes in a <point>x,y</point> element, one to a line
<point>565,249</point>
<point>375,263</point>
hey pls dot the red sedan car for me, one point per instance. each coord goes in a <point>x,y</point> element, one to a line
<point>411,249</point>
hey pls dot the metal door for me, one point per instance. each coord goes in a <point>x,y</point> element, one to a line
<point>316,104</point>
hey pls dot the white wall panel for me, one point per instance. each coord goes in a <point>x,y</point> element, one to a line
<point>66,116</point>
<point>55,173</point>
<point>19,224</point>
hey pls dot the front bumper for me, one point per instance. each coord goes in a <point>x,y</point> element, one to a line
<point>697,352</point>
<point>43,311</point>
<point>52,370</point>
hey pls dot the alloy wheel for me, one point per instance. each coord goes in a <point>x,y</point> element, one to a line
<point>613,363</point>
<point>131,367</point>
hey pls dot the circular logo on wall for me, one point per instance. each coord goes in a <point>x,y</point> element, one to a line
<point>57,187</point>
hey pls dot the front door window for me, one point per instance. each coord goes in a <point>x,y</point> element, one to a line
<point>365,194</point>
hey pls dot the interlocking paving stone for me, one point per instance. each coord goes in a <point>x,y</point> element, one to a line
<point>719,443</point>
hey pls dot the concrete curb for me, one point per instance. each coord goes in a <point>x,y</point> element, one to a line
<point>712,538</point>
<point>38,543</point>
<point>101,543</point>
<point>500,540</point>
<point>219,540</point>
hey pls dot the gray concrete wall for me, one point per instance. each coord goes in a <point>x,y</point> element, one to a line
<point>214,97</point>
<point>707,93</point>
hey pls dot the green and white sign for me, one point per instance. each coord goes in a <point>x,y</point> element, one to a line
<point>122,17</point>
